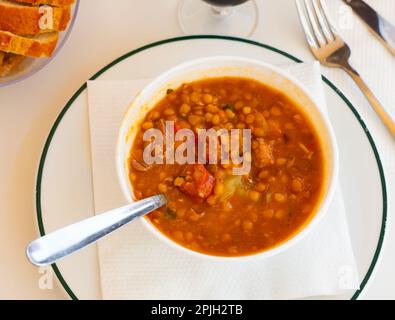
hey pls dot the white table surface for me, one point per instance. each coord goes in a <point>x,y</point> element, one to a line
<point>106,29</point>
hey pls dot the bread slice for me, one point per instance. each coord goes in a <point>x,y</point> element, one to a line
<point>56,3</point>
<point>25,19</point>
<point>39,46</point>
<point>8,62</point>
<point>2,54</point>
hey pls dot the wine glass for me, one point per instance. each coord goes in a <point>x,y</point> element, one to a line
<point>222,17</point>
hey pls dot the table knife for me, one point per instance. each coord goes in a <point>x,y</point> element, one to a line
<point>380,27</point>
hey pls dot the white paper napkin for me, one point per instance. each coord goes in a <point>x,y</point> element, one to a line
<point>134,264</point>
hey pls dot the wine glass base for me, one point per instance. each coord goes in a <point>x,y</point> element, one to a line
<point>198,17</point>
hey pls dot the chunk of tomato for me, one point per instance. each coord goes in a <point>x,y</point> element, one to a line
<point>201,184</point>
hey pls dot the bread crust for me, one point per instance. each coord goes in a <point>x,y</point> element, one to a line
<point>28,46</point>
<point>56,3</point>
<point>8,62</point>
<point>24,20</point>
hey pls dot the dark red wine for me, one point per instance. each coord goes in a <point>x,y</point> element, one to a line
<point>225,3</point>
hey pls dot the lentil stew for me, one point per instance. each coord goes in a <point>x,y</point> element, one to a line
<point>209,209</point>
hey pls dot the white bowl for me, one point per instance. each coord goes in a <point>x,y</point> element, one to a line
<point>230,66</point>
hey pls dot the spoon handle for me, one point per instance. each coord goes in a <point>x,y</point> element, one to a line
<point>58,244</point>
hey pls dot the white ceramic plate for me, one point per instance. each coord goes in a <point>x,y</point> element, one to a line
<point>29,66</point>
<point>64,181</point>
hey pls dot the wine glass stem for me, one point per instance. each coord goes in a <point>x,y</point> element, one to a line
<point>222,11</point>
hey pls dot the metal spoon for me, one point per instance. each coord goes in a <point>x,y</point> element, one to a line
<point>63,242</point>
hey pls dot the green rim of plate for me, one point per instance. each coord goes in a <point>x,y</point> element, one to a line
<point>158,43</point>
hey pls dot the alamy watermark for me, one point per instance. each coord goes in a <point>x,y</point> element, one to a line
<point>46,19</point>
<point>45,281</point>
<point>205,146</point>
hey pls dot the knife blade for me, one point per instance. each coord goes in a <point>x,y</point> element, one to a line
<point>378,25</point>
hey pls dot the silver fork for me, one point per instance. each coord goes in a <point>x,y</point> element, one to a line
<point>330,49</point>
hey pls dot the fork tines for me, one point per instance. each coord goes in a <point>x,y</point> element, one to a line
<point>317,27</point>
